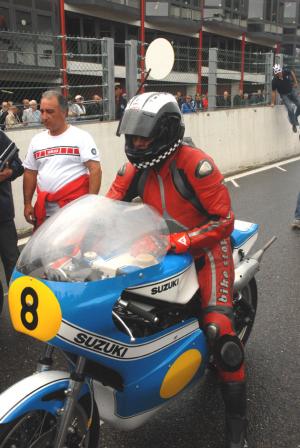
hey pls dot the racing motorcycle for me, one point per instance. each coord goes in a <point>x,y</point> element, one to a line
<point>96,281</point>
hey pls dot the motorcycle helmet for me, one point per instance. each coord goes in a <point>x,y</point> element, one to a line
<point>152,115</point>
<point>277,69</point>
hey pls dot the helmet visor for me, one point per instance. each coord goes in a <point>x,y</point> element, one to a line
<point>137,122</point>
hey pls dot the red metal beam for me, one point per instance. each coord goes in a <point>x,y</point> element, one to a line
<point>200,49</point>
<point>65,86</point>
<point>243,45</point>
<point>142,42</point>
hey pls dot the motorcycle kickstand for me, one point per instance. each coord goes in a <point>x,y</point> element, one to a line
<point>72,393</point>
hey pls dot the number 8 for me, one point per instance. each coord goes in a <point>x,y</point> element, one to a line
<point>29,308</point>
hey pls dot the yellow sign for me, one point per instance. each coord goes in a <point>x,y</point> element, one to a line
<point>181,373</point>
<point>33,308</point>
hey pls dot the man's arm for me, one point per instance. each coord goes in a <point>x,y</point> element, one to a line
<point>95,171</point>
<point>273,98</point>
<point>29,186</point>
<point>295,82</point>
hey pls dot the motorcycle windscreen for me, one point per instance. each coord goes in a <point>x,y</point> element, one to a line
<point>95,238</point>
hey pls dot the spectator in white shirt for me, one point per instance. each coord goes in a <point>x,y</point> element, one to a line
<point>31,116</point>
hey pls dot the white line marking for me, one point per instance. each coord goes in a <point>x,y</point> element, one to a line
<point>235,183</point>
<point>263,168</point>
<point>23,241</point>
<point>280,168</point>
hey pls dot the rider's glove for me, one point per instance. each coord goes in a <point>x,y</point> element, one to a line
<point>179,242</point>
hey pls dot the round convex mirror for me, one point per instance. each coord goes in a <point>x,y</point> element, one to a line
<point>159,58</point>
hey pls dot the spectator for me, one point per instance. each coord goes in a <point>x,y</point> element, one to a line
<point>77,109</point>
<point>285,82</point>
<point>31,116</point>
<point>198,102</point>
<point>224,101</point>
<point>204,101</point>
<point>238,99</point>
<point>188,106</point>
<point>8,234</point>
<point>246,99</point>
<point>3,114</point>
<point>179,99</point>
<point>95,107</point>
<point>24,106</point>
<point>120,102</point>
<point>62,163</point>
<point>12,119</point>
<point>260,96</point>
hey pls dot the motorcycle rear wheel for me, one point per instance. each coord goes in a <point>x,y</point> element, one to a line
<point>244,308</point>
<point>37,429</point>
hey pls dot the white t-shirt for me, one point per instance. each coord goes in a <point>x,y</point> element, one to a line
<point>60,159</point>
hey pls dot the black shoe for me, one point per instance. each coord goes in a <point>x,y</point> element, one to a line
<point>234,395</point>
<point>294,128</point>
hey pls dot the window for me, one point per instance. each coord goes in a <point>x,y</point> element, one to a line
<point>88,27</point>
<point>44,24</point>
<point>27,3</point>
<point>45,5</point>
<point>290,10</point>
<point>72,25</point>
<point>4,19</point>
<point>24,21</point>
<point>255,9</point>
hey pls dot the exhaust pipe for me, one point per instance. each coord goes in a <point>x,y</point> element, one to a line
<point>246,270</point>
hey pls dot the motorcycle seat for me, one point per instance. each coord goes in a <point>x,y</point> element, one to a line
<point>242,232</point>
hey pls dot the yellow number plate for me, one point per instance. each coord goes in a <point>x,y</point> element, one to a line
<point>34,309</point>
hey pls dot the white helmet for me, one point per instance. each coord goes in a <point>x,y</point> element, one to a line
<point>277,69</point>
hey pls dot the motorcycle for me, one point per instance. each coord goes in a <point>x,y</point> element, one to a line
<point>96,281</point>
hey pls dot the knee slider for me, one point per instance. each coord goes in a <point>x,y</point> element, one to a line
<point>229,353</point>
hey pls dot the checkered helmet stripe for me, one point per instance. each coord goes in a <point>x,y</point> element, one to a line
<point>159,158</point>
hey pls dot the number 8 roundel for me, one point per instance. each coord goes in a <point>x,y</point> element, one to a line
<point>33,308</point>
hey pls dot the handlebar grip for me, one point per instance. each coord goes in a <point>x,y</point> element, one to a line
<point>151,317</point>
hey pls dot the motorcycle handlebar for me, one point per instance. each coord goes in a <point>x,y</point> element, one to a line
<point>151,317</point>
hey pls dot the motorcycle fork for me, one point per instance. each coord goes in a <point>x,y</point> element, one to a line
<point>71,393</point>
<point>45,362</point>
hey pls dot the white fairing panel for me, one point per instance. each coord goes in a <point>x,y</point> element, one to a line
<point>177,289</point>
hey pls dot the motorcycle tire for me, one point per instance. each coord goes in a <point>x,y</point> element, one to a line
<point>37,429</point>
<point>1,297</point>
<point>244,308</point>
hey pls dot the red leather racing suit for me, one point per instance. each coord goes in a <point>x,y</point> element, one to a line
<point>188,191</point>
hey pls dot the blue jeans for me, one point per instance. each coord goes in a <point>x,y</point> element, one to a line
<point>297,211</point>
<point>289,100</point>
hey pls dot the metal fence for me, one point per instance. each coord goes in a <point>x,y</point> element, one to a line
<point>90,67</point>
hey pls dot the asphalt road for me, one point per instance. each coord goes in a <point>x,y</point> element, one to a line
<point>195,419</point>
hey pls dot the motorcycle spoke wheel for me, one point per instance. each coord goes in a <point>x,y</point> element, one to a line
<point>244,307</point>
<point>37,429</point>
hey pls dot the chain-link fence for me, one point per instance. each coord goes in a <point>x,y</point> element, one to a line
<point>84,69</point>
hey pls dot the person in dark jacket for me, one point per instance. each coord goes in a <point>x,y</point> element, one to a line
<point>8,235</point>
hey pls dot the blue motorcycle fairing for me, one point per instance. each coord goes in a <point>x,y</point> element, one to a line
<point>35,399</point>
<point>239,237</point>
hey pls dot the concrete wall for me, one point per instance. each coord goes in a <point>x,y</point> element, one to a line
<point>237,139</point>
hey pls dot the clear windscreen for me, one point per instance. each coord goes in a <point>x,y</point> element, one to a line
<point>94,238</point>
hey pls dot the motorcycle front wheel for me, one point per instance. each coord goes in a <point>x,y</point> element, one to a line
<point>244,308</point>
<point>38,428</point>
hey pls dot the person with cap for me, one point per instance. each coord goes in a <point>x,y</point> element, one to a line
<point>285,83</point>
<point>77,109</point>
<point>185,186</point>
<point>62,163</point>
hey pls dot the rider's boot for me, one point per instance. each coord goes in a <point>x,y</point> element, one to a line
<point>234,396</point>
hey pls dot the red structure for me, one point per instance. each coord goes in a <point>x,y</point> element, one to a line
<point>65,87</point>
<point>142,43</point>
<point>243,61</point>
<point>200,49</point>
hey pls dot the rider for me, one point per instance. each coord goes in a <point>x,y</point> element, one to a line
<point>184,185</point>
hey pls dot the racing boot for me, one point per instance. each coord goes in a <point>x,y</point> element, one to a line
<point>234,396</point>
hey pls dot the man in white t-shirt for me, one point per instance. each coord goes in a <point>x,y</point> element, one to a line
<point>62,162</point>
